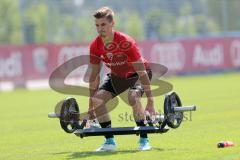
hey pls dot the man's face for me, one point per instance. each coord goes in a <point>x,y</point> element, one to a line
<point>104,26</point>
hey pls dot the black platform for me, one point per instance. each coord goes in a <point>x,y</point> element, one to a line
<point>118,131</point>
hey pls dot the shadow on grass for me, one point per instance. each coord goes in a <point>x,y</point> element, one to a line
<point>93,153</point>
<point>85,154</point>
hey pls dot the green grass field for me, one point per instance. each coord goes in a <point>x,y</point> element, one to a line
<point>27,133</point>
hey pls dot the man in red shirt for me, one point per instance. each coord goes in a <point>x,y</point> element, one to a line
<point>129,70</point>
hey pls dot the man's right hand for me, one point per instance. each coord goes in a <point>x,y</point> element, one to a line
<point>91,113</point>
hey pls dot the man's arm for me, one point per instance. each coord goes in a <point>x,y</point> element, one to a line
<point>94,81</point>
<point>94,78</point>
<point>144,79</point>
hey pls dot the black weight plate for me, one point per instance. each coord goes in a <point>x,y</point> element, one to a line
<point>69,115</point>
<point>173,119</point>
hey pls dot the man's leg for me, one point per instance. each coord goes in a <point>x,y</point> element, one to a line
<point>99,101</point>
<point>134,98</point>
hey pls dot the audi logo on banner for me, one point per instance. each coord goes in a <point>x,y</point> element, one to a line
<point>66,53</point>
<point>213,56</point>
<point>172,55</point>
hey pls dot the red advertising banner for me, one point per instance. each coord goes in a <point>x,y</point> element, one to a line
<point>19,64</point>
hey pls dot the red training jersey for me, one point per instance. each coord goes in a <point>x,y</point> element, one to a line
<point>117,55</point>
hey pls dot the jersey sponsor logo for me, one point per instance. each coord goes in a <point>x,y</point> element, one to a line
<point>116,60</point>
<point>114,64</point>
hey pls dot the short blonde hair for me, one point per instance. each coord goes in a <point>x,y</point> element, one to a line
<point>104,12</point>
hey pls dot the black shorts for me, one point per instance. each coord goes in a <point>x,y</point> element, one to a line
<point>117,85</point>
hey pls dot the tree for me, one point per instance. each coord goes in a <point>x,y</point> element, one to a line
<point>225,12</point>
<point>10,26</point>
<point>36,22</point>
<point>153,21</point>
<point>134,26</point>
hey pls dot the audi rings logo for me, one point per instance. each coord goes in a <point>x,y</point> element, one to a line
<point>235,53</point>
<point>112,46</point>
<point>172,55</point>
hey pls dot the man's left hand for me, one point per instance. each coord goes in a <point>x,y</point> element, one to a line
<point>150,106</point>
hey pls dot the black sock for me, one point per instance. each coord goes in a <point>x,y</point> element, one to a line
<point>107,125</point>
<point>141,123</point>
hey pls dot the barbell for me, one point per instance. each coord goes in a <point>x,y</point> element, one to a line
<point>69,116</point>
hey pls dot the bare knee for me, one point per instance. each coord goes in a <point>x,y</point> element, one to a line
<point>134,97</point>
<point>96,101</point>
<point>100,98</point>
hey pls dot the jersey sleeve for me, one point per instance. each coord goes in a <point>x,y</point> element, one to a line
<point>134,53</point>
<point>94,57</point>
